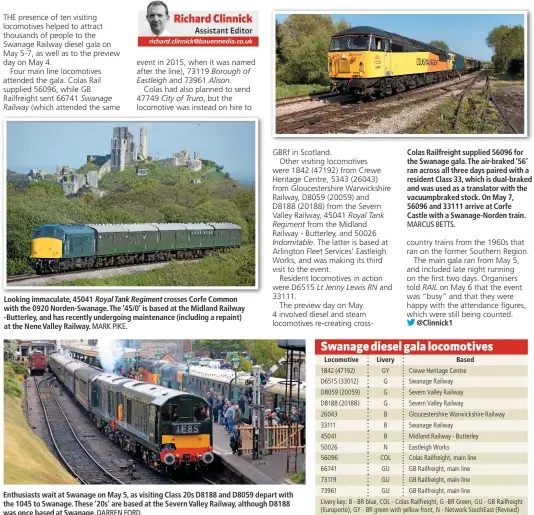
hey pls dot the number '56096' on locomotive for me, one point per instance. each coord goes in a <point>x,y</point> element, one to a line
<point>168,429</point>
<point>63,247</point>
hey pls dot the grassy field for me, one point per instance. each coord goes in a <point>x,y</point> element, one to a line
<point>233,268</point>
<point>505,78</point>
<point>27,459</point>
<point>294,90</point>
<point>214,176</point>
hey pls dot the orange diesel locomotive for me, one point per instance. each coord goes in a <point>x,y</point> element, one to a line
<point>371,61</point>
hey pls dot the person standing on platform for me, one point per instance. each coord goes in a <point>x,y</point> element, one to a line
<point>221,408</point>
<point>238,416</point>
<point>225,409</point>
<point>215,410</point>
<point>242,403</point>
<point>210,402</point>
<point>230,418</point>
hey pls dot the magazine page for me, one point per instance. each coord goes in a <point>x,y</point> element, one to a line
<point>237,235</point>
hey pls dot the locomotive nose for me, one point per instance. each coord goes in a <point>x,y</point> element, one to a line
<point>48,248</point>
<point>35,248</point>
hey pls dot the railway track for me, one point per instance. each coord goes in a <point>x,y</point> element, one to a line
<point>24,277</point>
<point>127,468</point>
<point>68,446</point>
<point>91,273</point>
<point>456,123</point>
<point>67,273</point>
<point>465,93</point>
<point>305,98</point>
<point>349,116</point>
<point>503,114</point>
<point>467,87</point>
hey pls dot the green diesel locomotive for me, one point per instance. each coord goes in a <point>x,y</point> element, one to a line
<point>62,247</point>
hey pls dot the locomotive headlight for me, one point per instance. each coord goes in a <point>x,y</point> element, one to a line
<point>169,459</point>
<point>208,458</point>
<point>361,67</point>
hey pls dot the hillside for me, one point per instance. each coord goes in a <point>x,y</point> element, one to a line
<point>168,175</point>
<point>165,195</point>
<point>27,459</point>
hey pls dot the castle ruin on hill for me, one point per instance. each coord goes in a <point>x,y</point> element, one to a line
<point>123,153</point>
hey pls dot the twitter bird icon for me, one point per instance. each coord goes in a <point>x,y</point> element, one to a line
<point>411,322</point>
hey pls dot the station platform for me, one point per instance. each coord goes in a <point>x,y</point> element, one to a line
<point>268,470</point>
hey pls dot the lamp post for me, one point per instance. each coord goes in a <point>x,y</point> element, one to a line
<point>235,366</point>
<point>188,359</point>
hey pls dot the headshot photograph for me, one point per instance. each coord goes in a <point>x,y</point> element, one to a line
<point>157,16</point>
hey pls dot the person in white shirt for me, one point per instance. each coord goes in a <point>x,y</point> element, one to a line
<point>157,15</point>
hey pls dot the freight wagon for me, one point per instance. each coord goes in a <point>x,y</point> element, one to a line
<point>37,363</point>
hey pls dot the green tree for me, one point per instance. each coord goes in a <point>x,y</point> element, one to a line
<point>302,43</point>
<point>10,350</point>
<point>217,347</point>
<point>265,352</point>
<point>244,364</point>
<point>439,44</point>
<point>508,43</point>
<point>278,38</point>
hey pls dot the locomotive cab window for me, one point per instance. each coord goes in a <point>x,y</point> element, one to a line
<point>377,44</point>
<point>48,232</point>
<point>349,43</point>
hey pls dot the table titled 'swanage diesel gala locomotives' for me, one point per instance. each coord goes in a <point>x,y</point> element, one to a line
<point>421,426</point>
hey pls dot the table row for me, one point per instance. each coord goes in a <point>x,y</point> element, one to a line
<point>409,479</point>
<point>410,392</point>
<point>409,468</point>
<point>388,423</point>
<point>379,380</point>
<point>474,436</point>
<point>403,453</point>
<point>515,409</point>
<point>474,403</point>
<point>429,490</point>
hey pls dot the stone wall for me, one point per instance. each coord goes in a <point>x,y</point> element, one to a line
<point>72,183</point>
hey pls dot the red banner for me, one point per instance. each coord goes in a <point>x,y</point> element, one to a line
<point>421,346</point>
<point>197,41</point>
